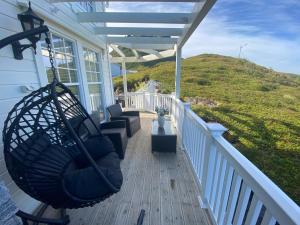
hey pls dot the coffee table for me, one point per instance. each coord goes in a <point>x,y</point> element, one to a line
<point>163,139</point>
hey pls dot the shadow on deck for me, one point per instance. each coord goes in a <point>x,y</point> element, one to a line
<point>160,183</point>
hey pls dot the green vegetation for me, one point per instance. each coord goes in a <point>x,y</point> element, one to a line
<point>260,107</point>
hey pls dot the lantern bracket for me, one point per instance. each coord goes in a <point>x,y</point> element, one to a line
<point>33,28</point>
<point>18,48</point>
<point>14,39</point>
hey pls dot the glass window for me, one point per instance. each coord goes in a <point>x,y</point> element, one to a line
<point>64,59</point>
<point>92,67</point>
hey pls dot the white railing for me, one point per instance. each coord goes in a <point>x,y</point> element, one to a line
<point>147,101</point>
<point>233,189</point>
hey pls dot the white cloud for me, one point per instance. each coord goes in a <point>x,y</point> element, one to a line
<point>216,36</point>
<point>220,35</point>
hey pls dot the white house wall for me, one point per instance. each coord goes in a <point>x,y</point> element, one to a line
<point>17,73</point>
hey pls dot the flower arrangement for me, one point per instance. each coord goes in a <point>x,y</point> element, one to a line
<point>162,110</point>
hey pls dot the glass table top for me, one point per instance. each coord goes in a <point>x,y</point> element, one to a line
<point>168,129</point>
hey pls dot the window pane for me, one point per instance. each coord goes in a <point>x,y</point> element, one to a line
<point>98,67</point>
<point>58,44</point>
<point>75,90</point>
<point>46,61</point>
<point>73,75</point>
<point>87,65</point>
<point>64,76</point>
<point>60,60</point>
<point>71,62</point>
<point>69,47</point>
<point>93,67</point>
<point>64,59</point>
<point>95,99</point>
<point>49,74</point>
<point>91,64</point>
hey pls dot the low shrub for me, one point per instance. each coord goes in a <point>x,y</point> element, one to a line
<point>203,82</point>
<point>268,87</point>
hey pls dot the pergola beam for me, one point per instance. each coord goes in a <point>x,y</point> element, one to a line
<point>120,53</point>
<point>147,46</point>
<point>139,31</point>
<point>133,17</point>
<point>150,51</point>
<point>146,58</point>
<point>136,54</point>
<point>200,10</point>
<point>141,40</point>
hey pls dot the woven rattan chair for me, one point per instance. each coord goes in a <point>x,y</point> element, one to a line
<point>53,156</point>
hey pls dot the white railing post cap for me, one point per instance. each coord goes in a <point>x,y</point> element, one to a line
<point>216,129</point>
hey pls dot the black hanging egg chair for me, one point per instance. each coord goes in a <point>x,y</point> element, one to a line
<point>56,153</point>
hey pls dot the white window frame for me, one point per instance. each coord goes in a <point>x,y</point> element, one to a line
<point>99,52</point>
<point>79,82</point>
<point>78,45</point>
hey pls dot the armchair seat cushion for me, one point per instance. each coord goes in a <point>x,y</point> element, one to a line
<point>97,146</point>
<point>121,131</point>
<point>118,136</point>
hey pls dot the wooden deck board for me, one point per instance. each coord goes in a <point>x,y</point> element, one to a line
<point>160,183</point>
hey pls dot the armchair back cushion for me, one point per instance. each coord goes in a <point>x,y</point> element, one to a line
<point>115,110</point>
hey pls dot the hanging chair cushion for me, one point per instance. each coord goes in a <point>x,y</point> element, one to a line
<point>85,183</point>
<point>97,147</point>
<point>47,170</point>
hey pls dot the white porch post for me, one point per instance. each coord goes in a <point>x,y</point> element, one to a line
<point>178,73</point>
<point>124,74</point>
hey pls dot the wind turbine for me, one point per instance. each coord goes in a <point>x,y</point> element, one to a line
<point>241,47</point>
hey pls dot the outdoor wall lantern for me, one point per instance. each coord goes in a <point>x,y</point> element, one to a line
<point>33,28</point>
<point>29,21</point>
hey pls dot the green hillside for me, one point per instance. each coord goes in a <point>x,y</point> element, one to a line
<point>260,107</point>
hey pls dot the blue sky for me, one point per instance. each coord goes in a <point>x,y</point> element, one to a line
<point>269,29</point>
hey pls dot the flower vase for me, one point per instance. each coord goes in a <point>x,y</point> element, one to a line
<point>161,121</point>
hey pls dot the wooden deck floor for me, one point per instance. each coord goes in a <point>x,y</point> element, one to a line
<point>162,184</point>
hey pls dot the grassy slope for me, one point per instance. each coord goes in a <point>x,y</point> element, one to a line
<point>260,107</point>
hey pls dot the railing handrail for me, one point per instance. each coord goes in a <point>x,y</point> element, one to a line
<point>281,207</point>
<point>261,184</point>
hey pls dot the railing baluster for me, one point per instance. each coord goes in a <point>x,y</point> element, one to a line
<point>268,219</point>
<point>210,172</point>
<point>198,149</point>
<point>217,185</point>
<point>254,211</point>
<point>225,193</point>
<point>242,204</point>
<point>215,179</point>
<point>220,188</point>
<point>233,197</point>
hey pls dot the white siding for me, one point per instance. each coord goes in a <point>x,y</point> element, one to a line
<point>16,73</point>
<point>13,74</point>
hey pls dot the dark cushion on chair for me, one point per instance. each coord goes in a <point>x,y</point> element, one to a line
<point>33,146</point>
<point>97,147</point>
<point>115,110</point>
<point>47,170</point>
<point>118,136</point>
<point>86,183</point>
<point>122,131</point>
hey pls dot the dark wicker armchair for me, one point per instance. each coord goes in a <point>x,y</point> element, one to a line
<point>132,118</point>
